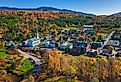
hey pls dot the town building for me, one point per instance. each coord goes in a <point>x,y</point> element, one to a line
<point>80,48</point>
<point>88,27</point>
<point>51,44</point>
<point>115,43</point>
<point>65,46</point>
<point>34,41</point>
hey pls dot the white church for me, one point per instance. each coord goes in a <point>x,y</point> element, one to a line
<point>34,41</point>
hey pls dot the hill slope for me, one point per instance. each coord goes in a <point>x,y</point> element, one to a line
<point>46,9</point>
<point>117,15</point>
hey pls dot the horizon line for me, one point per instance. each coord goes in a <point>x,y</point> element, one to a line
<point>97,14</point>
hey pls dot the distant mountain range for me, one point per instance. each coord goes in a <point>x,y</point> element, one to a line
<point>46,9</point>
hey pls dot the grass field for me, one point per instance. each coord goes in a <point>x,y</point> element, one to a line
<point>107,30</point>
<point>71,28</point>
<point>25,65</point>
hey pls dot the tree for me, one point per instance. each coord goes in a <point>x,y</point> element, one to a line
<point>1,46</point>
<point>94,38</point>
<point>29,79</point>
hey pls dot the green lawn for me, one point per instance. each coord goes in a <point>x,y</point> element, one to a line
<point>107,30</point>
<point>25,65</point>
<point>71,28</point>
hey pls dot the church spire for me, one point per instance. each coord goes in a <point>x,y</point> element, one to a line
<point>37,34</point>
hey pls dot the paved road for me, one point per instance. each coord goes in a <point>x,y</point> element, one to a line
<point>25,55</point>
<point>105,43</point>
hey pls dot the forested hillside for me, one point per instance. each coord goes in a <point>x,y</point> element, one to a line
<point>23,23</point>
<point>59,67</point>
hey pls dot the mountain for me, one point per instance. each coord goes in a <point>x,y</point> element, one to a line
<point>46,9</point>
<point>116,15</point>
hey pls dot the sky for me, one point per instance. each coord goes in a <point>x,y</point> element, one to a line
<point>98,7</point>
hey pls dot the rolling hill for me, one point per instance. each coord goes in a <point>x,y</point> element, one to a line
<point>46,9</point>
<point>116,15</point>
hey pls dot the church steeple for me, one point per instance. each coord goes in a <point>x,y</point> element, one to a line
<point>37,34</point>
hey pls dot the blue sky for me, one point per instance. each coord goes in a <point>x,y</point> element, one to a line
<point>99,7</point>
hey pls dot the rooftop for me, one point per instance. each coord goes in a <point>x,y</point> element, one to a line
<point>34,39</point>
<point>88,26</point>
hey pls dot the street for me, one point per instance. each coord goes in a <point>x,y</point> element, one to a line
<point>105,43</point>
